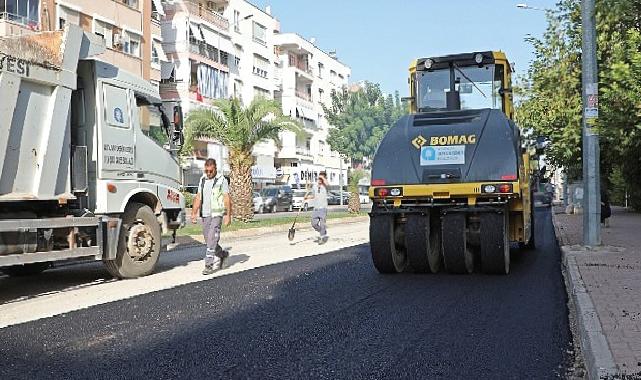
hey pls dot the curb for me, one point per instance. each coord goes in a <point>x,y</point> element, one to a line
<point>597,356</point>
<point>196,240</point>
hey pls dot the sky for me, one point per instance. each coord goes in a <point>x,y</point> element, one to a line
<point>378,39</point>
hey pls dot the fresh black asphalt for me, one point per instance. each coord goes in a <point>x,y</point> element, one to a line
<point>325,317</point>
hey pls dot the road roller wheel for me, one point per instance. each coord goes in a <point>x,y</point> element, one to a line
<point>495,242</point>
<point>457,256</point>
<point>386,255</point>
<point>422,241</point>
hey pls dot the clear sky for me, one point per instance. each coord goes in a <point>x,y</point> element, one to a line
<point>378,39</point>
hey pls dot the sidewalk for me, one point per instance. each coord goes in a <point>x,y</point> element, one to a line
<point>605,284</point>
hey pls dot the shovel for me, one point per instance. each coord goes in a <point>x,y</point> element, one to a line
<point>292,230</point>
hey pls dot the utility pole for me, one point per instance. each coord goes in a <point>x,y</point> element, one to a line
<point>340,178</point>
<point>591,178</point>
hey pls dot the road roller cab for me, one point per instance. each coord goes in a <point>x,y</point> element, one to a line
<point>451,182</point>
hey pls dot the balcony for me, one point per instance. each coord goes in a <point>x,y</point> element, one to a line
<point>200,9</point>
<point>21,22</point>
<point>304,95</point>
<point>304,152</point>
<point>300,64</point>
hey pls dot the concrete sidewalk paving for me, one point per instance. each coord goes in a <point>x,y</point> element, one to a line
<point>605,284</point>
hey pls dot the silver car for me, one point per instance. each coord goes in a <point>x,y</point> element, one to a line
<point>299,202</point>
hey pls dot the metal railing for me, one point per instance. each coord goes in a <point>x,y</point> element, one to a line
<point>200,9</point>
<point>303,95</point>
<point>18,19</point>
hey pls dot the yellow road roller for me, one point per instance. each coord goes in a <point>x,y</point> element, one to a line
<point>451,184</point>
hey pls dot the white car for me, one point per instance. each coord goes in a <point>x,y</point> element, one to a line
<point>298,200</point>
<point>259,206</point>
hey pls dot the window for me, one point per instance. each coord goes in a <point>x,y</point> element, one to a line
<point>261,65</point>
<point>25,12</point>
<point>105,31</point>
<point>259,33</point>
<point>224,58</point>
<point>131,3</point>
<point>131,44</point>
<point>61,23</point>
<point>236,21</point>
<point>157,53</point>
<point>332,76</point>
<point>261,92</point>
<point>151,122</point>
<point>320,70</point>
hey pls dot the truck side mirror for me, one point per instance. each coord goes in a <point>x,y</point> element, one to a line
<point>177,137</point>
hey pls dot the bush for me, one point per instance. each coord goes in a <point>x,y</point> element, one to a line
<point>189,199</point>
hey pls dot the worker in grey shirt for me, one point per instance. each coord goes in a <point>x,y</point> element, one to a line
<point>319,215</point>
<point>213,196</point>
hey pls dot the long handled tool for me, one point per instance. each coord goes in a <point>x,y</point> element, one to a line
<point>292,230</point>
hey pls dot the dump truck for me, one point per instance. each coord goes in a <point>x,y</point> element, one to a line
<point>451,183</point>
<point>88,166</point>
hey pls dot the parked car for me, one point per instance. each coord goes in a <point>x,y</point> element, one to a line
<point>298,200</point>
<point>334,198</point>
<point>259,206</point>
<point>277,198</point>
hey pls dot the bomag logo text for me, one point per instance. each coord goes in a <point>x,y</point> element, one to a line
<point>453,140</point>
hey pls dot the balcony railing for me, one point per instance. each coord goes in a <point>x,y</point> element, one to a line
<point>199,9</point>
<point>208,51</point>
<point>300,64</point>
<point>31,24</point>
<point>303,152</point>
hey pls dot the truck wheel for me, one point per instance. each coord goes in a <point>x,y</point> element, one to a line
<point>423,243</point>
<point>495,243</point>
<point>139,244</point>
<point>387,257</point>
<point>26,269</point>
<point>457,256</point>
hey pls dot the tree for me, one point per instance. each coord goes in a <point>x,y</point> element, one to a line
<point>354,205</point>
<point>239,129</point>
<point>360,119</point>
<point>552,103</point>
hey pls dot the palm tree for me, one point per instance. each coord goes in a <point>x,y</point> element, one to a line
<point>239,129</point>
<point>354,203</point>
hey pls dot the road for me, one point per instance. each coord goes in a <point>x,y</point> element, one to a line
<point>323,315</point>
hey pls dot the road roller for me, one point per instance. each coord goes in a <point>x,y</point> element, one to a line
<point>451,181</point>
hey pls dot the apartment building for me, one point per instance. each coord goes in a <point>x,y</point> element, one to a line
<point>308,77</point>
<point>219,49</point>
<point>130,28</point>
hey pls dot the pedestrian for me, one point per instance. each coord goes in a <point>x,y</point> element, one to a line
<point>319,215</point>
<point>213,205</point>
<point>606,211</point>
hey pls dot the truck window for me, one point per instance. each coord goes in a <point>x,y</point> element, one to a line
<point>116,109</point>
<point>151,122</point>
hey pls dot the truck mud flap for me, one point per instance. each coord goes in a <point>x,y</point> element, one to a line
<point>495,245</point>
<point>457,256</point>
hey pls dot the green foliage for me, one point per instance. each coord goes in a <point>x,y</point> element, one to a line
<point>354,177</point>
<point>189,199</point>
<point>360,119</point>
<point>236,127</point>
<point>551,93</point>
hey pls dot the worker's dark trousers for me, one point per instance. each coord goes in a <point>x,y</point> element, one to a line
<point>211,232</point>
<point>319,218</point>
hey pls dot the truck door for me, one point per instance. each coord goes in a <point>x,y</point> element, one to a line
<point>117,145</point>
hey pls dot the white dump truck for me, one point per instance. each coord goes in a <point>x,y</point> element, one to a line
<point>88,166</point>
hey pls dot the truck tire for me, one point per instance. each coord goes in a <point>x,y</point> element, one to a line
<point>531,244</point>
<point>457,256</point>
<point>387,257</point>
<point>26,269</point>
<point>422,242</point>
<point>495,242</point>
<point>138,245</point>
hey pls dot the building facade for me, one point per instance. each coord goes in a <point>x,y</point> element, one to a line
<point>308,77</point>
<point>130,28</point>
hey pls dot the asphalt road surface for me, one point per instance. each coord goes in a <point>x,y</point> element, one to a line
<point>328,316</point>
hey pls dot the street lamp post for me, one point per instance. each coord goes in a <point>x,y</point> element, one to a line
<point>591,185</point>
